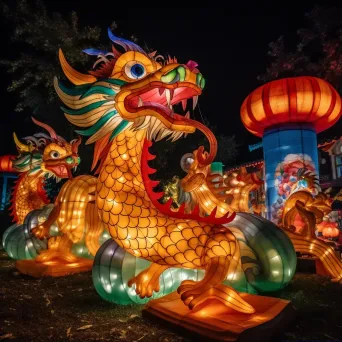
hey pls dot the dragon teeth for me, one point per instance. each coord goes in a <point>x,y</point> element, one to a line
<point>194,101</point>
<point>187,115</point>
<point>177,136</point>
<point>184,103</point>
<point>168,96</point>
<point>140,102</point>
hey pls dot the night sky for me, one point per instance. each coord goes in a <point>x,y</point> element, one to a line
<point>230,45</point>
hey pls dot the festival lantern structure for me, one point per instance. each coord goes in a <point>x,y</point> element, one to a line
<point>40,156</point>
<point>122,105</point>
<point>287,114</point>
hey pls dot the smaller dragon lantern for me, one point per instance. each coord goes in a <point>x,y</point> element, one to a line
<point>303,214</point>
<point>41,156</point>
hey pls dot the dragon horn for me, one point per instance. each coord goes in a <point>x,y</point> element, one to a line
<point>51,131</point>
<point>21,146</point>
<point>74,76</point>
<point>75,143</point>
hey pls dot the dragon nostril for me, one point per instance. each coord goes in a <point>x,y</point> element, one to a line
<point>202,85</point>
<point>70,160</point>
<point>200,80</point>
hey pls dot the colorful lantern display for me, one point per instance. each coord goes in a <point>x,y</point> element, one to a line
<point>122,105</point>
<point>288,113</point>
<point>40,157</point>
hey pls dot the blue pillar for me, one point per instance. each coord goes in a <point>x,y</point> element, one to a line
<point>4,192</point>
<point>5,177</point>
<point>288,152</point>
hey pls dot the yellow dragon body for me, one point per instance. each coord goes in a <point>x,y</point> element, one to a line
<point>124,103</point>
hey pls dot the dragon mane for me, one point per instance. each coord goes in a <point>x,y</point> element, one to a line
<point>90,104</point>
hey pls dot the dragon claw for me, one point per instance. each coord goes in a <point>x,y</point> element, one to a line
<point>196,293</point>
<point>147,281</point>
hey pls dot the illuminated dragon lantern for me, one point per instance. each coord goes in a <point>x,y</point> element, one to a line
<point>41,156</point>
<point>125,103</point>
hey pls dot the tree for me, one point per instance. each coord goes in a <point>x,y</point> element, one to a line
<point>36,37</point>
<point>39,36</point>
<point>318,51</point>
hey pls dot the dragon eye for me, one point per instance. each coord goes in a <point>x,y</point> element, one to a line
<point>54,154</point>
<point>135,70</point>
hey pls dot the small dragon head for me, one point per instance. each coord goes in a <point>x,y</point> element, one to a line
<point>49,154</point>
<point>133,90</point>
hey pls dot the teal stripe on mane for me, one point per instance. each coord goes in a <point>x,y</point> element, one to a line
<point>85,109</point>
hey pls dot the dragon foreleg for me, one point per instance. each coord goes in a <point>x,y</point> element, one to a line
<point>221,259</point>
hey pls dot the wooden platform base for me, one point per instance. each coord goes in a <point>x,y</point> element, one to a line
<point>215,322</point>
<point>53,268</point>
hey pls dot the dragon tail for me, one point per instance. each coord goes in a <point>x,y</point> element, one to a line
<point>276,257</point>
<point>18,241</point>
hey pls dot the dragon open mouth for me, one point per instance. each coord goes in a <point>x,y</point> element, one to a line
<point>61,171</point>
<point>162,99</point>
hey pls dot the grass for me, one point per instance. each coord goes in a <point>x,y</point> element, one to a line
<point>69,309</point>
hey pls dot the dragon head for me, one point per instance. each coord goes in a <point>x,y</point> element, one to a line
<point>48,154</point>
<point>133,90</point>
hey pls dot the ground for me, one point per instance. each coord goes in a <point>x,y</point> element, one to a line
<point>69,309</point>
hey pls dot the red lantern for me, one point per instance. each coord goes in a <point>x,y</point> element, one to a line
<point>330,232</point>
<point>6,163</point>
<point>291,100</point>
